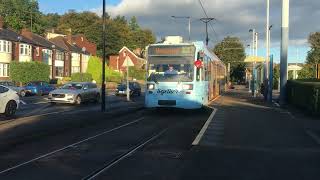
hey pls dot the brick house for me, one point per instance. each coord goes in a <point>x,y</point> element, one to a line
<point>72,58</point>
<point>13,47</point>
<point>115,62</point>
<point>82,42</point>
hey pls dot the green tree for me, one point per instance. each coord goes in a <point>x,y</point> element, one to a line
<point>94,68</point>
<point>19,14</point>
<point>308,71</point>
<point>50,21</point>
<point>133,24</point>
<point>231,50</point>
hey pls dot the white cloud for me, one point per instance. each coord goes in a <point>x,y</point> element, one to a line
<point>234,17</point>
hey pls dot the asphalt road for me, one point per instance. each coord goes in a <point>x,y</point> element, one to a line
<point>162,135</point>
<point>246,140</point>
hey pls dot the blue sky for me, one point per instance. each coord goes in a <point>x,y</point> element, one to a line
<point>62,6</point>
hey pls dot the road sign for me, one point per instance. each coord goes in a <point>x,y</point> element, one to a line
<point>251,59</point>
<point>127,62</point>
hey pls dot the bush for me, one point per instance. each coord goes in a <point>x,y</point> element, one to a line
<point>81,77</point>
<point>25,72</point>
<point>94,68</point>
<point>305,95</point>
<point>136,73</point>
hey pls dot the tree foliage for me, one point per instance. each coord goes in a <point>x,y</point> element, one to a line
<point>29,71</point>
<point>313,57</point>
<point>95,69</point>
<point>231,50</point>
<point>19,14</point>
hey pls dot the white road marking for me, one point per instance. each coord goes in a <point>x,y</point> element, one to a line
<point>313,135</point>
<point>204,128</point>
<point>69,146</point>
<point>22,102</point>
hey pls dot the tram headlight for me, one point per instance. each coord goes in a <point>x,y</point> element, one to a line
<point>187,87</point>
<point>150,86</point>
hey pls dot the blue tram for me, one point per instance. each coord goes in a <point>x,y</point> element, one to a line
<point>182,75</point>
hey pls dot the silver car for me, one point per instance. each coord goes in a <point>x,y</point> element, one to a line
<point>75,93</point>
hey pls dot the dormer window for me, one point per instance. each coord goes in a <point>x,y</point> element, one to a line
<point>25,50</point>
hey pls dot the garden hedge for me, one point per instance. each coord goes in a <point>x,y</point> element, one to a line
<point>81,77</point>
<point>304,94</point>
<point>25,72</point>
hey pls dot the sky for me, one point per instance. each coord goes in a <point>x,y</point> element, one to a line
<point>233,18</point>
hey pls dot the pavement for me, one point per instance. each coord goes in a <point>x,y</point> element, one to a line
<point>249,139</point>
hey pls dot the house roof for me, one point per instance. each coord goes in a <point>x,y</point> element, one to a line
<point>60,43</point>
<point>127,49</point>
<point>63,43</point>
<point>10,35</point>
<point>41,41</point>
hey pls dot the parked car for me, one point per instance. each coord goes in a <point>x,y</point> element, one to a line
<point>38,88</point>
<point>135,89</point>
<point>9,101</point>
<point>20,90</point>
<point>75,93</point>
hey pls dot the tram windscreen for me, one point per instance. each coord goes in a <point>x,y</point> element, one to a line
<point>171,63</point>
<point>171,69</point>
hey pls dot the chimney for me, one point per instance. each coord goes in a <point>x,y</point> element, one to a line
<point>1,22</point>
<point>70,36</point>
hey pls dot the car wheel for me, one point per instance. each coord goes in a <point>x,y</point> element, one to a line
<point>78,100</point>
<point>22,93</point>
<point>11,108</point>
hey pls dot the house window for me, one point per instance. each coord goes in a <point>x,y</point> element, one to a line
<point>25,50</point>
<point>59,71</point>
<point>75,69</point>
<point>5,46</point>
<point>59,56</point>
<point>4,70</point>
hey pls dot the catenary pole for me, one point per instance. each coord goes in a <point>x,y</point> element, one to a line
<point>284,51</point>
<point>103,83</point>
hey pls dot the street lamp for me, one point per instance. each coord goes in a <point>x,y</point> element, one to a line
<point>189,25</point>
<point>255,54</point>
<point>103,83</point>
<point>284,51</point>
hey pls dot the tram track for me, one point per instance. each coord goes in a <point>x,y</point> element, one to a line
<point>123,156</point>
<point>94,156</point>
<point>67,147</point>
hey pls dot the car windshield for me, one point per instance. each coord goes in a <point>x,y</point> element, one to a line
<point>72,86</point>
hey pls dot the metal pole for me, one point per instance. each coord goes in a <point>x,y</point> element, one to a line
<point>266,74</point>
<point>189,28</point>
<point>270,80</point>
<point>128,88</point>
<point>284,51</point>
<point>103,83</point>
<point>207,20</point>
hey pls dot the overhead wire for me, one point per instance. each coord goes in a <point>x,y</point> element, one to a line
<point>206,14</point>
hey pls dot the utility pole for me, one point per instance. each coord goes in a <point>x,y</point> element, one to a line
<point>103,83</point>
<point>251,85</point>
<point>266,70</point>
<point>207,20</point>
<point>284,51</point>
